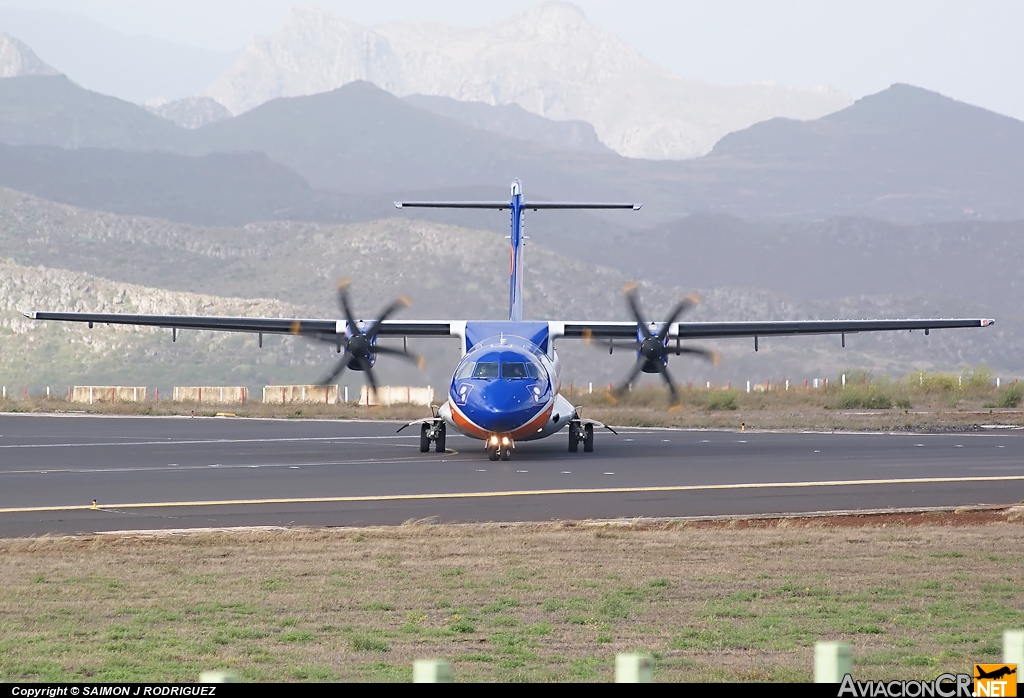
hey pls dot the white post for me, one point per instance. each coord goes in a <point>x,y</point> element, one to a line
<point>787,384</point>
<point>90,394</point>
<point>634,668</point>
<point>844,380</point>
<point>997,382</point>
<point>832,661</point>
<point>590,388</point>
<point>432,671</point>
<point>5,392</point>
<point>815,382</point>
<point>1013,649</point>
<point>346,393</point>
<point>748,386</point>
<point>218,677</point>
<point>709,385</point>
<point>47,391</point>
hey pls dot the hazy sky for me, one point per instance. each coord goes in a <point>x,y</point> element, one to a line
<point>971,51</point>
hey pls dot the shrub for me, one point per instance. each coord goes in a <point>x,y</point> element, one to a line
<point>725,400</point>
<point>1010,395</point>
<point>869,398</point>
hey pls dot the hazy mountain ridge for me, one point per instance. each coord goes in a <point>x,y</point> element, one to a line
<point>550,60</point>
<point>190,112</point>
<point>908,163</point>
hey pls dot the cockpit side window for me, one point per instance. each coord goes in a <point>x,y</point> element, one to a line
<point>532,371</point>
<point>465,371</point>
<point>513,369</point>
<point>486,369</point>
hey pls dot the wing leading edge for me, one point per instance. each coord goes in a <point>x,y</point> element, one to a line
<point>723,330</point>
<point>295,326</point>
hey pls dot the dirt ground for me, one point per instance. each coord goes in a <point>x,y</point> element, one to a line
<point>712,600</point>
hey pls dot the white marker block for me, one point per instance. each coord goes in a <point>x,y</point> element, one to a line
<point>1013,649</point>
<point>218,677</point>
<point>832,661</point>
<point>432,671</point>
<point>634,668</point>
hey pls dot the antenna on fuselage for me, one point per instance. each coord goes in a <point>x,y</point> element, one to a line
<point>517,206</point>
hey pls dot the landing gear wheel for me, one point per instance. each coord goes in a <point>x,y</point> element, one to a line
<point>492,454</point>
<point>442,430</point>
<point>506,453</point>
<point>574,438</point>
<point>424,438</point>
<point>588,438</point>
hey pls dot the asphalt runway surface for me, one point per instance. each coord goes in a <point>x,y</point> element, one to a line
<point>177,472</point>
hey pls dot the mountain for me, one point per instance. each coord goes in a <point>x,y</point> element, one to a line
<point>549,60</point>
<point>904,154</point>
<point>513,121</point>
<point>217,189</point>
<point>17,59</point>
<point>132,68</point>
<point>190,112</point>
<point>52,110</point>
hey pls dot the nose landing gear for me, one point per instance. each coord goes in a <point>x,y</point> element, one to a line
<point>499,447</point>
<point>435,432</point>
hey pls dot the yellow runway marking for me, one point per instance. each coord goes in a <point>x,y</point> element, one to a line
<point>523,493</point>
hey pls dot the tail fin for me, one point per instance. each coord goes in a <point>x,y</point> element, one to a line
<point>517,206</point>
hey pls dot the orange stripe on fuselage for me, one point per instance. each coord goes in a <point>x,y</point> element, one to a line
<point>532,425</point>
<point>470,429</point>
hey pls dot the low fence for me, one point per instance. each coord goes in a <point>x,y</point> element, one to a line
<point>302,394</point>
<point>106,393</point>
<point>396,395</point>
<point>212,394</point>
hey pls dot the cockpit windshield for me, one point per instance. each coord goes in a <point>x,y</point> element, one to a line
<point>506,369</point>
<point>486,369</point>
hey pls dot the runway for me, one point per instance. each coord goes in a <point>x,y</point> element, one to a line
<point>177,472</point>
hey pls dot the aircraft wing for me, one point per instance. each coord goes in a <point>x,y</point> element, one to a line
<point>261,325</point>
<point>720,330</point>
<point>525,205</point>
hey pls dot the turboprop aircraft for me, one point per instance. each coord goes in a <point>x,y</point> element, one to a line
<point>505,388</point>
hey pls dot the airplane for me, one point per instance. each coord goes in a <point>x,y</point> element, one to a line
<point>505,388</point>
<point>996,674</point>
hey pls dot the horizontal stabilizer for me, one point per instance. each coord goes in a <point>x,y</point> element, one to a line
<point>526,205</point>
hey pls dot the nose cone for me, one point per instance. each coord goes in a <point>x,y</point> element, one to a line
<point>502,406</point>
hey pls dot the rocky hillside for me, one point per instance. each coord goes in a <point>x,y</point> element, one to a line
<point>549,60</point>
<point>449,272</point>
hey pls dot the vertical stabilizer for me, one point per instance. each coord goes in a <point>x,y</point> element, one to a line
<point>515,285</point>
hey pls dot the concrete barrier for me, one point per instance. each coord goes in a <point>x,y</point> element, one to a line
<point>107,393</point>
<point>212,394</point>
<point>303,394</point>
<point>397,395</point>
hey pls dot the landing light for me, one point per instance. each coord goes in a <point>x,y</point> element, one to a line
<point>494,440</point>
<point>504,440</point>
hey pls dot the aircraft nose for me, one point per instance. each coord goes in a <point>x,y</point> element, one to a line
<point>503,406</point>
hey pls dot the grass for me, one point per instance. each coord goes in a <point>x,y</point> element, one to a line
<point>522,603</point>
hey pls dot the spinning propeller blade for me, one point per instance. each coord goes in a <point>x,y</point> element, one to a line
<point>358,346</point>
<point>652,353</point>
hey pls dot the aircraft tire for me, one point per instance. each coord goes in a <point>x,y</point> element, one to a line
<point>424,439</point>
<point>439,442</point>
<point>492,454</point>
<point>506,453</point>
<point>588,438</point>
<point>574,444</point>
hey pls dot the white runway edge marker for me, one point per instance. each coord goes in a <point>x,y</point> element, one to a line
<point>524,493</point>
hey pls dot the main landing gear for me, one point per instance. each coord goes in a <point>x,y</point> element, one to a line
<point>434,431</point>
<point>499,447</point>
<point>582,431</point>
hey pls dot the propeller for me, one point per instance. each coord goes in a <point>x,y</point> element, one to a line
<point>358,347</point>
<point>651,350</point>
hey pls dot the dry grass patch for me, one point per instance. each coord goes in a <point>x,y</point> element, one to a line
<point>542,603</point>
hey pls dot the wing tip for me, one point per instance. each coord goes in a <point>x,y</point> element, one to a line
<point>398,204</point>
<point>637,207</point>
<point>30,314</point>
